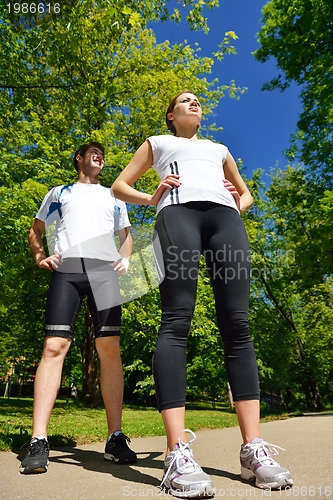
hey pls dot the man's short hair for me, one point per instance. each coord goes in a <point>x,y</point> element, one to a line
<point>83,149</point>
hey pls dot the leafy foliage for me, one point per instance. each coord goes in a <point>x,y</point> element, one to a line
<point>63,83</point>
<point>95,72</point>
<point>292,283</point>
<point>299,35</point>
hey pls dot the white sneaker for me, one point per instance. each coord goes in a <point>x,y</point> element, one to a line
<point>257,463</point>
<point>182,475</point>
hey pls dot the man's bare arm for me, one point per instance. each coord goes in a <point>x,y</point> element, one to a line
<point>37,247</point>
<point>125,250</point>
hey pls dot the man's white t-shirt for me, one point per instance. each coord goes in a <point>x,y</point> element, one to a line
<point>199,165</point>
<point>81,220</point>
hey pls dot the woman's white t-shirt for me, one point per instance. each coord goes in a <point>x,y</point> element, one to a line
<point>199,165</point>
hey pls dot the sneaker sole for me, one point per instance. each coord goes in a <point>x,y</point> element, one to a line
<point>281,482</point>
<point>112,458</point>
<point>38,470</point>
<point>207,491</point>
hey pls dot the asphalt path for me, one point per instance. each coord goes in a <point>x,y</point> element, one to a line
<point>81,473</point>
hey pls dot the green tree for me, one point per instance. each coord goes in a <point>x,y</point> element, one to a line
<point>290,287</point>
<point>299,35</point>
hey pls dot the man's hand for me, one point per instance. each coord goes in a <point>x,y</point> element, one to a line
<point>52,262</point>
<point>121,266</point>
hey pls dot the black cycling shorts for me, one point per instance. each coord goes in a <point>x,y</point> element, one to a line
<point>86,277</point>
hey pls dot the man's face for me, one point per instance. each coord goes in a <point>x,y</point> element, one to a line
<point>93,158</point>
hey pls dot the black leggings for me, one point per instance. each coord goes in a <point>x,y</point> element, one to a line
<point>217,232</point>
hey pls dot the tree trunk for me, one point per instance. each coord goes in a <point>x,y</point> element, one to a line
<point>6,393</point>
<point>318,400</point>
<point>229,396</point>
<point>309,402</point>
<point>314,400</point>
<point>91,393</point>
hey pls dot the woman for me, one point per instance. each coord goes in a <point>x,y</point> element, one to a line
<point>199,202</point>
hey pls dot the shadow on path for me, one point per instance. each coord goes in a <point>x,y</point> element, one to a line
<point>93,461</point>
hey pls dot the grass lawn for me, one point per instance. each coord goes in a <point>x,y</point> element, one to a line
<point>73,423</point>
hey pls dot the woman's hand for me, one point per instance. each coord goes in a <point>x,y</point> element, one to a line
<point>170,182</point>
<point>230,187</point>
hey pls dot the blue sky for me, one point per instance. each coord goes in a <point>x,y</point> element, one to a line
<point>257,127</point>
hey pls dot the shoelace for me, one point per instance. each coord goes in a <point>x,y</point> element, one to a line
<point>121,436</point>
<point>183,458</point>
<point>36,447</point>
<point>125,438</point>
<point>263,452</point>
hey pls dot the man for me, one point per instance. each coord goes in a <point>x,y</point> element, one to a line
<point>85,262</point>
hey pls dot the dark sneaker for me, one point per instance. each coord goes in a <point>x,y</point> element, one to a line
<point>37,459</point>
<point>183,477</point>
<point>117,450</point>
<point>257,464</point>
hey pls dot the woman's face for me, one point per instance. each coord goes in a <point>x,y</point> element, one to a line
<point>187,110</point>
